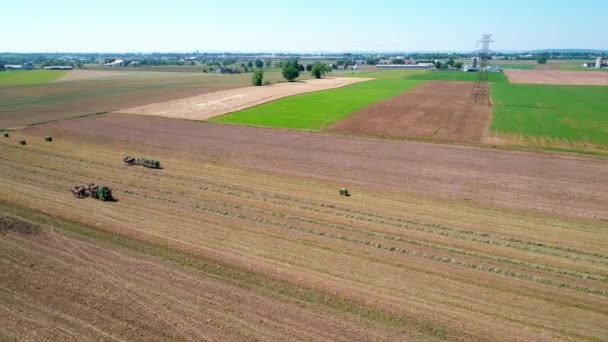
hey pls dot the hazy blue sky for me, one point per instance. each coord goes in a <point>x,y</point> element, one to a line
<point>302,26</point>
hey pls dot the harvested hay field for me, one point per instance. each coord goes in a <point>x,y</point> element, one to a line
<point>55,285</point>
<point>557,77</point>
<point>206,106</point>
<point>549,183</point>
<point>204,250</point>
<point>435,110</point>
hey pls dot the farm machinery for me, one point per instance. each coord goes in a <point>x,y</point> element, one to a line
<point>149,163</point>
<point>102,193</point>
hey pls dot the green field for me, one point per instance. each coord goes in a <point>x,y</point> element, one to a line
<point>520,66</point>
<point>29,77</point>
<point>384,74</point>
<point>551,115</point>
<point>313,111</point>
<point>495,77</point>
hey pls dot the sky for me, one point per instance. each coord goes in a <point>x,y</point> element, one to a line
<point>299,26</point>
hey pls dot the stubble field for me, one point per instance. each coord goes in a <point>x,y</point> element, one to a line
<point>396,264</point>
<point>27,105</point>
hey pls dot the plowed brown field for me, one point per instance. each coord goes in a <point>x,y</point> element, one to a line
<point>558,184</point>
<point>206,250</point>
<point>436,110</point>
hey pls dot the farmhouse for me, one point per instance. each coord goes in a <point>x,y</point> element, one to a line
<point>24,66</point>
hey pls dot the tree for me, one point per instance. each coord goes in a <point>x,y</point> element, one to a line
<point>269,63</point>
<point>398,61</point>
<point>291,70</point>
<point>319,70</point>
<point>372,61</point>
<point>258,78</point>
<point>438,64</point>
<point>250,65</point>
<point>450,62</point>
<point>542,60</point>
<point>259,63</point>
<point>2,67</point>
<point>458,65</point>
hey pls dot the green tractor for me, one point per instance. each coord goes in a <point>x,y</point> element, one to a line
<point>149,163</point>
<point>104,194</point>
<point>152,164</point>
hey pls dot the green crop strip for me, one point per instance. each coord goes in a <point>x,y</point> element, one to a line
<point>314,111</point>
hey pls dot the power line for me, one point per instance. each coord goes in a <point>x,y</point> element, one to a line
<point>481,91</point>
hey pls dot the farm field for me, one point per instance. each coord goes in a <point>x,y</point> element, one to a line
<point>548,115</point>
<point>557,77</point>
<point>270,251</point>
<point>494,77</point>
<point>451,172</point>
<point>26,105</point>
<point>29,77</point>
<point>71,275</point>
<point>214,104</point>
<point>384,74</point>
<point>520,66</point>
<point>315,111</point>
<point>435,110</point>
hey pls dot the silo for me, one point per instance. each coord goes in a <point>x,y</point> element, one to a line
<point>475,59</point>
<point>598,62</point>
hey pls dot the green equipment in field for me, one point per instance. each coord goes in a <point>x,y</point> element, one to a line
<point>22,142</point>
<point>104,194</point>
<point>49,139</point>
<point>344,192</point>
<point>6,134</point>
<point>152,164</point>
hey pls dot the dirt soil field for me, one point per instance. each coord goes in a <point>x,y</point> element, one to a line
<point>551,183</point>
<point>436,110</point>
<point>207,106</point>
<point>204,250</point>
<point>557,77</point>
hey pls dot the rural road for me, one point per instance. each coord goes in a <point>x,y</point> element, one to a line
<point>565,185</point>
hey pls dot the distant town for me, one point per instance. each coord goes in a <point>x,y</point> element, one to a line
<point>247,62</point>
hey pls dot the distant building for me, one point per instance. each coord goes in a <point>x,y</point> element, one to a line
<point>116,63</point>
<point>59,67</point>
<point>24,66</point>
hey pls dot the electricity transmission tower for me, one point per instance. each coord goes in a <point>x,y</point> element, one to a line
<point>481,91</point>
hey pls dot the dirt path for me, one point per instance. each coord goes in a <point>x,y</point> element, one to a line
<point>436,110</point>
<point>557,77</point>
<point>207,106</point>
<point>549,183</point>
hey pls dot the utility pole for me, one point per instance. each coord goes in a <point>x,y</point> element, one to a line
<point>481,91</point>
